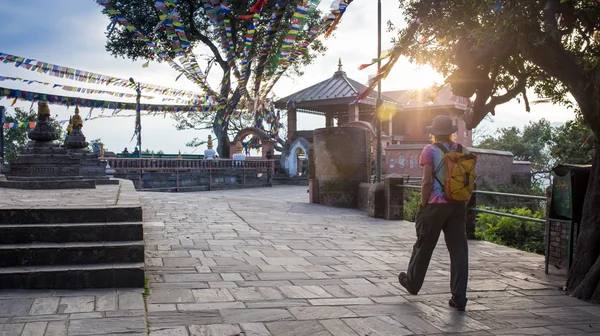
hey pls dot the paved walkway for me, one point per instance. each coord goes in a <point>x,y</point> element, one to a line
<point>264,262</point>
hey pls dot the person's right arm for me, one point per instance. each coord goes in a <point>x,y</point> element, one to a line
<point>426,160</point>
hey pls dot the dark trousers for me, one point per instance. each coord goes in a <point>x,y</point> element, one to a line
<point>430,221</point>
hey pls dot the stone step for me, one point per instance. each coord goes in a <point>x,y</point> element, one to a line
<point>103,214</point>
<point>73,253</point>
<point>64,233</point>
<point>127,275</point>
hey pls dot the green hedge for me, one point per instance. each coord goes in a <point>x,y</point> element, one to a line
<point>519,234</point>
<point>515,233</point>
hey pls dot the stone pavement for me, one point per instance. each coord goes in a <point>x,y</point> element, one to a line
<point>72,312</point>
<point>264,262</point>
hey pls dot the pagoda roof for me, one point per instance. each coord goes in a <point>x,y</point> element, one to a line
<point>333,94</point>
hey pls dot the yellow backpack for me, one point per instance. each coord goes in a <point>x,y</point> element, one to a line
<point>460,174</point>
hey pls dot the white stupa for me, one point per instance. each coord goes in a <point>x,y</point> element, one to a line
<point>239,155</point>
<point>209,153</point>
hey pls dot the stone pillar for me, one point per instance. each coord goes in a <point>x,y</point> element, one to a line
<point>291,120</point>
<point>388,124</point>
<point>268,146</point>
<point>353,113</point>
<point>328,119</point>
<point>394,198</point>
<point>313,184</point>
<point>341,157</point>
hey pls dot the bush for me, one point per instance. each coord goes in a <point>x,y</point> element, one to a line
<point>523,235</point>
<point>412,198</point>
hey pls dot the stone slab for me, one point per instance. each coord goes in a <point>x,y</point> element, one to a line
<point>106,203</point>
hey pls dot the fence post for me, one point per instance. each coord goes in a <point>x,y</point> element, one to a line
<point>394,198</point>
<point>548,228</point>
<point>210,168</point>
<point>472,215</point>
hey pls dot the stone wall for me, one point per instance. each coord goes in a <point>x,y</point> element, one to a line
<point>341,164</point>
<point>363,196</point>
<point>559,243</point>
<point>493,166</point>
<point>196,180</point>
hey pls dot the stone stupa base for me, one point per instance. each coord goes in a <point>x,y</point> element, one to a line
<point>48,184</point>
<point>44,165</point>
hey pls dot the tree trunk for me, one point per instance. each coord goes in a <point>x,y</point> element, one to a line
<point>221,133</point>
<point>584,276</point>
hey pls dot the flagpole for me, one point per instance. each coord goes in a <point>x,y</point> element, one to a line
<point>378,103</point>
<point>138,116</point>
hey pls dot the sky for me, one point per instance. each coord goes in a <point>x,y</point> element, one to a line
<point>72,33</point>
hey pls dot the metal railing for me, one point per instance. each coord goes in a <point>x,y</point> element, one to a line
<point>217,173</point>
<point>497,213</point>
<point>504,214</point>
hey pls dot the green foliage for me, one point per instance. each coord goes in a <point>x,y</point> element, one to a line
<point>527,144</point>
<point>573,143</point>
<point>149,152</point>
<point>412,198</point>
<point>523,235</point>
<point>511,202</point>
<point>16,138</point>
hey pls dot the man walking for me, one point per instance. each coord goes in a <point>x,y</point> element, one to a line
<point>436,213</point>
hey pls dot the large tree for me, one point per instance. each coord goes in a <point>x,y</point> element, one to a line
<point>201,29</point>
<point>494,50</point>
<point>16,138</point>
<point>573,143</point>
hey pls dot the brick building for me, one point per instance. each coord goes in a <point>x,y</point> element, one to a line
<point>403,136</point>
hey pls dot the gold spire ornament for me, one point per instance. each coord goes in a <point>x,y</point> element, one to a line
<point>70,126</point>
<point>76,120</point>
<point>179,157</point>
<point>43,109</point>
<point>209,143</point>
<point>340,69</point>
<point>239,148</point>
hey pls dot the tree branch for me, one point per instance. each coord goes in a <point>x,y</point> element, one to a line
<point>550,55</point>
<point>213,48</point>
<point>550,19</point>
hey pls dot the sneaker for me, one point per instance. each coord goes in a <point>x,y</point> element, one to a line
<point>403,279</point>
<point>453,304</point>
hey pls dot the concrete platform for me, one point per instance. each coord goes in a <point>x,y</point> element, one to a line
<point>71,238</point>
<point>105,203</point>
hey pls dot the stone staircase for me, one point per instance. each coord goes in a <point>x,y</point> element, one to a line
<point>72,248</point>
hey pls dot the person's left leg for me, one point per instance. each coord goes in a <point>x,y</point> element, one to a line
<point>429,223</point>
<point>456,240</point>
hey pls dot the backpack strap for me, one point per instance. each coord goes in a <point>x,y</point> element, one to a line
<point>459,148</point>
<point>435,172</point>
<point>441,147</point>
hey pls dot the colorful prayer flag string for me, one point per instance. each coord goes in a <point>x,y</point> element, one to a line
<point>102,104</point>
<point>90,77</point>
<point>74,88</point>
